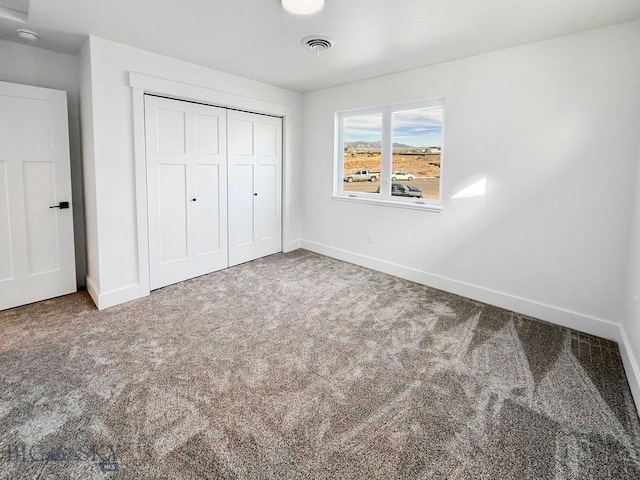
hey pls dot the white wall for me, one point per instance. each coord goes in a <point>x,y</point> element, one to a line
<point>113,274</point>
<point>41,68</point>
<point>553,128</point>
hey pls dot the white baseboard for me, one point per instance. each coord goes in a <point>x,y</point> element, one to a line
<point>631,366</point>
<point>92,289</point>
<point>114,297</point>
<point>549,313</point>
<point>292,245</point>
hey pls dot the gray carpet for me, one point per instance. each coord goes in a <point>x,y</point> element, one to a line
<point>302,366</point>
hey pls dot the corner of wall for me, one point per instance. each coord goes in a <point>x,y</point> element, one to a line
<point>85,87</point>
<point>292,245</point>
<point>631,366</point>
<point>116,297</point>
<point>630,325</point>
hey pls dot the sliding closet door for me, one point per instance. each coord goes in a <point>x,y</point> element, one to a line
<point>255,185</point>
<point>187,189</point>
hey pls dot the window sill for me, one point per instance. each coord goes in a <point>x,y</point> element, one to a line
<point>429,207</point>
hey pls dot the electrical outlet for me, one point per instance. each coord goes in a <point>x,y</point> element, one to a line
<point>370,237</point>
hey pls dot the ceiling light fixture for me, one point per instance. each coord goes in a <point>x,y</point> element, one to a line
<point>303,7</point>
<point>28,35</point>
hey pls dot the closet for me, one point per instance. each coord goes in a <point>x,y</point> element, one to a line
<point>214,185</point>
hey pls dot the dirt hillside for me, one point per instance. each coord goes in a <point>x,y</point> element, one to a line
<point>420,165</point>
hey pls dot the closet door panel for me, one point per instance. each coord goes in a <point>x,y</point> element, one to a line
<point>207,132</point>
<point>210,252</point>
<point>241,193</point>
<point>172,213</point>
<point>209,227</point>
<point>187,196</point>
<point>255,186</point>
<point>268,218</point>
<point>224,206</point>
<point>170,136</point>
<point>267,205</point>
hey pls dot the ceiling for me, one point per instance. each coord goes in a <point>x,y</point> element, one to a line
<point>257,39</point>
<point>15,9</point>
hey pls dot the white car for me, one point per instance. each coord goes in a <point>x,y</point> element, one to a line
<point>399,175</point>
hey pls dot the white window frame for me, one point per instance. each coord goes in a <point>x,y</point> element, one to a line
<point>386,160</point>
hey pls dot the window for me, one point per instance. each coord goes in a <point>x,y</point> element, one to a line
<point>391,154</point>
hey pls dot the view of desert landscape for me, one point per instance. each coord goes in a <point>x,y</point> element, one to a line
<point>425,167</point>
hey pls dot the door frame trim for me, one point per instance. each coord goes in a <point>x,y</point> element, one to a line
<point>140,85</point>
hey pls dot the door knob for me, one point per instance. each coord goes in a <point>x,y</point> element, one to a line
<point>193,199</point>
<point>255,194</point>
<point>61,205</point>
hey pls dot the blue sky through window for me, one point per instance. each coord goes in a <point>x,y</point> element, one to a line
<point>364,128</point>
<point>417,128</point>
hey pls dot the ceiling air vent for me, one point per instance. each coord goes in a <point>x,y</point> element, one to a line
<point>317,43</point>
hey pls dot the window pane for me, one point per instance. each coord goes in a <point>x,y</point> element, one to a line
<point>362,153</point>
<point>417,144</point>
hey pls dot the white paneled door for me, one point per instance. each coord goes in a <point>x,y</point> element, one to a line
<point>255,185</point>
<point>37,259</point>
<point>187,189</point>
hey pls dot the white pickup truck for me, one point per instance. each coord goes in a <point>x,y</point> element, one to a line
<point>362,176</point>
